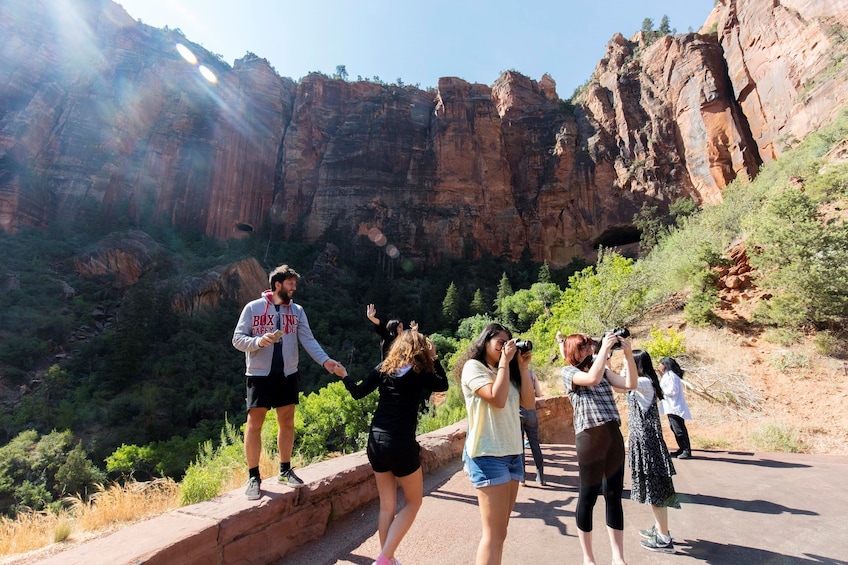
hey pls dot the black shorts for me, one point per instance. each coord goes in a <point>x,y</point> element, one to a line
<point>273,391</point>
<point>400,458</point>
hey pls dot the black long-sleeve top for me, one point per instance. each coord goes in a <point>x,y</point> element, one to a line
<point>397,407</point>
<point>386,338</point>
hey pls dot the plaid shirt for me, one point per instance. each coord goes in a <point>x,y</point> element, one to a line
<point>593,405</point>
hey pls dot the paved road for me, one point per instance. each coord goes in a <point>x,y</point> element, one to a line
<point>738,508</point>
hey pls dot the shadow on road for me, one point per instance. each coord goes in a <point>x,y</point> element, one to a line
<point>723,553</point>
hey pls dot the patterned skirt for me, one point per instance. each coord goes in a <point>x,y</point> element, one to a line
<point>650,463</point>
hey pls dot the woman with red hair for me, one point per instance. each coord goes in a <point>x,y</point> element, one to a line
<point>589,381</point>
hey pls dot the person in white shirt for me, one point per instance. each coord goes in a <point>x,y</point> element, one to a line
<point>674,405</point>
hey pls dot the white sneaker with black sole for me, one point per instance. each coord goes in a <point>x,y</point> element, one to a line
<point>654,543</point>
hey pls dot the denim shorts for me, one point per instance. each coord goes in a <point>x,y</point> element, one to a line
<point>490,470</point>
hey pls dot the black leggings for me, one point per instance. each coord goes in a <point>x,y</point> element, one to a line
<point>681,434</point>
<point>600,458</point>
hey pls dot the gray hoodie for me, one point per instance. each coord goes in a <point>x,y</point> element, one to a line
<point>260,317</point>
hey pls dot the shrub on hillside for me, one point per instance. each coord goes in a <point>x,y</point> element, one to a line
<point>205,478</point>
<point>37,471</point>
<point>776,437</point>
<point>608,295</point>
<point>802,260</point>
<point>664,343</point>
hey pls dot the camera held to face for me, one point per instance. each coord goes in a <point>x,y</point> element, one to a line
<point>620,333</point>
<point>524,345</point>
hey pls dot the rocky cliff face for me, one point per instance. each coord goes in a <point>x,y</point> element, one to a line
<point>98,111</point>
<point>786,63</point>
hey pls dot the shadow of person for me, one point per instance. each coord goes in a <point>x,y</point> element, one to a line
<point>747,458</point>
<point>722,553</point>
<point>551,512</point>
<point>756,506</point>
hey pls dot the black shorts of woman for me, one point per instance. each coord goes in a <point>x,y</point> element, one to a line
<point>410,367</point>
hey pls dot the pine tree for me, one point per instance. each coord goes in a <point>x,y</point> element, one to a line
<point>504,291</point>
<point>451,305</point>
<point>665,26</point>
<point>478,303</point>
<point>545,273</point>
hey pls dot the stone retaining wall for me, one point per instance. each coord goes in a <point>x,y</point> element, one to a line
<point>232,530</point>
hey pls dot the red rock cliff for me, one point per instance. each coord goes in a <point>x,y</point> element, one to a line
<point>103,113</point>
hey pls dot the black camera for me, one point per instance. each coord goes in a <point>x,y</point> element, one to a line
<point>524,345</point>
<point>620,333</point>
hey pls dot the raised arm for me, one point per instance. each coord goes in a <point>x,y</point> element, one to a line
<point>599,365</point>
<point>436,381</point>
<point>630,379</point>
<point>497,392</point>
<point>371,313</point>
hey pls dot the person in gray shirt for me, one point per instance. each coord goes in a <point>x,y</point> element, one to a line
<point>269,331</point>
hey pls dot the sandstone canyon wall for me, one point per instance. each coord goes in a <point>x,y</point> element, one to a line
<point>98,111</point>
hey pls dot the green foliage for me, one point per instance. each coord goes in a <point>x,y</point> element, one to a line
<point>789,360</point>
<point>802,260</point>
<point>77,474</point>
<point>449,412</point>
<point>830,185</point>
<point>664,343</point>
<point>37,470</point>
<point>650,227</point>
<point>445,346</point>
<point>128,459</point>
<point>545,273</point>
<point>704,295</point>
<point>22,351</point>
<point>830,344</point>
<point>702,299</point>
<point>452,305</point>
<point>682,208</point>
<point>782,336</point>
<point>776,437</point>
<point>478,303</point>
<point>598,298</point>
<point>63,528</point>
<point>214,465</point>
<point>504,291</point>
<point>650,34</point>
<point>526,305</point>
<point>472,327</point>
<point>332,421</point>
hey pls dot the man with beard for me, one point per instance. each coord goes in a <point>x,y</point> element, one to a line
<point>268,332</point>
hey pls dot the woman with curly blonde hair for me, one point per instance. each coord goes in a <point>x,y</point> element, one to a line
<point>411,366</point>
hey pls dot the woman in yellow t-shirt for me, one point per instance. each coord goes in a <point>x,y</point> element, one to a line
<point>495,381</point>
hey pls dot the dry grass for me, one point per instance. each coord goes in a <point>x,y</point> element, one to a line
<point>28,531</point>
<point>110,507</point>
<point>120,504</point>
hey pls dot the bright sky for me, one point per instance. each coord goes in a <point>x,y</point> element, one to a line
<point>418,41</point>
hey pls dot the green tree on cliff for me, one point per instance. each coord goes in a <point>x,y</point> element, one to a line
<point>504,292</point>
<point>478,303</point>
<point>545,273</point>
<point>451,305</point>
